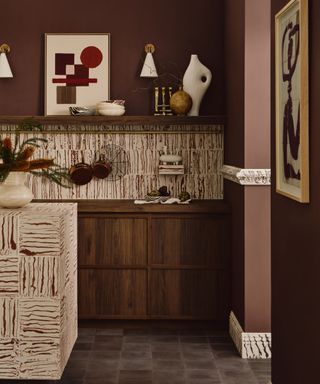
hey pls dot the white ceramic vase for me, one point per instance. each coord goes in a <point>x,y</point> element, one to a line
<point>196,81</point>
<point>13,191</point>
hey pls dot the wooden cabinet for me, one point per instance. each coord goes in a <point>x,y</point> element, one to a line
<point>112,240</point>
<point>112,293</point>
<point>154,262</point>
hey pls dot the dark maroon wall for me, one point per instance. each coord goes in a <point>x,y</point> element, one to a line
<point>177,28</point>
<point>295,250</point>
<point>234,140</point>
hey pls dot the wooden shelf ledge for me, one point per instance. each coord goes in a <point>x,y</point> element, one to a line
<point>128,206</point>
<point>117,120</point>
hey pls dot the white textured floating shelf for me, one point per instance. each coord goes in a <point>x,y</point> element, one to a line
<point>171,169</point>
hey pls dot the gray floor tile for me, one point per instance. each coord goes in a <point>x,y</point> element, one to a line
<point>82,346</point>
<point>105,355</point>
<point>136,339</point>
<point>163,346</point>
<point>86,331</point>
<point>202,374</point>
<point>109,346</point>
<point>165,338</point>
<point>110,332</point>
<point>167,355</point>
<point>168,365</point>
<point>199,364</point>
<point>204,381</point>
<point>158,356</point>
<point>136,355</point>
<point>136,365</point>
<point>102,368</point>
<point>194,339</point>
<point>111,339</point>
<point>79,355</point>
<point>113,379</point>
<point>85,338</point>
<point>135,377</point>
<point>221,339</point>
<point>169,377</point>
<point>146,347</point>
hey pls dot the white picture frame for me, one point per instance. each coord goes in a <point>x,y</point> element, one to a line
<point>77,71</point>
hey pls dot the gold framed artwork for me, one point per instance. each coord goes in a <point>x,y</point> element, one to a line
<point>292,101</point>
<point>77,71</point>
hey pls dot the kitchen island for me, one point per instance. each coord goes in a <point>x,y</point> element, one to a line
<point>38,290</point>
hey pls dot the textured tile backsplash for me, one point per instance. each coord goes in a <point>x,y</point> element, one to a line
<point>201,150</point>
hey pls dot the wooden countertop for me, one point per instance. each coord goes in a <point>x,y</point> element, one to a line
<point>127,206</point>
<point>116,120</point>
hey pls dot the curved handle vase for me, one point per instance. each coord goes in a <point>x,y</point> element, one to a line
<point>196,81</point>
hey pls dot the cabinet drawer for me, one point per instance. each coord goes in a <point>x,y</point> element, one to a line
<point>112,241</point>
<point>194,241</point>
<point>112,293</point>
<point>185,293</point>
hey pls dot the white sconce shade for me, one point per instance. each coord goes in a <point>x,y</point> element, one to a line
<point>149,68</point>
<point>5,70</point>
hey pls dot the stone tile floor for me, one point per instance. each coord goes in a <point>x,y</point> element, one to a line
<point>151,356</point>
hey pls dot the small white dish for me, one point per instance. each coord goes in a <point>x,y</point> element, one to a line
<point>109,105</point>
<point>170,158</point>
<point>107,112</point>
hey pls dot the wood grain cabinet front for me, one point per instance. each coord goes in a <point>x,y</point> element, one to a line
<point>190,267</point>
<point>112,266</point>
<point>154,266</point>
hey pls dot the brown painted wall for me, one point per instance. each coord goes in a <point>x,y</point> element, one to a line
<point>176,28</point>
<point>257,226</point>
<point>234,141</point>
<point>295,250</point>
<point>257,259</point>
<point>247,144</point>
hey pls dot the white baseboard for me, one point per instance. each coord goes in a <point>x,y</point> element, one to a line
<point>250,345</point>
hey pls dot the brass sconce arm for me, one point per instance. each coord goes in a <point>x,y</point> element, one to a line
<point>4,48</point>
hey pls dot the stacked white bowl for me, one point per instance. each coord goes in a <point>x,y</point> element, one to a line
<point>111,108</point>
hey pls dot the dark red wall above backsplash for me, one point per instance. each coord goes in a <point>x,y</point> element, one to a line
<point>176,28</point>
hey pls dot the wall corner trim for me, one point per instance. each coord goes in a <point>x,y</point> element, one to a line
<point>250,345</point>
<point>246,176</point>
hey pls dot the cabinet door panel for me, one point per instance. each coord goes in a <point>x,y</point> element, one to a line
<point>190,241</point>
<point>186,293</point>
<point>112,292</point>
<point>112,241</point>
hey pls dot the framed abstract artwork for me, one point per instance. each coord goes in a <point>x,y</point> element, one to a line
<point>292,99</point>
<point>77,71</point>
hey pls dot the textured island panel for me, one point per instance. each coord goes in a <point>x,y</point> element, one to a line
<point>201,148</point>
<point>39,237</point>
<point>40,276</point>
<point>9,275</point>
<point>9,234</point>
<point>9,318</point>
<point>38,290</point>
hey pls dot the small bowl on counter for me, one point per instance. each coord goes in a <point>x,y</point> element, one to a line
<point>111,108</point>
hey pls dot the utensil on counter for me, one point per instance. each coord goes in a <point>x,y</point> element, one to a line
<point>101,168</point>
<point>81,111</point>
<point>81,173</point>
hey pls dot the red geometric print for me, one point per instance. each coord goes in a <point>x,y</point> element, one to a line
<point>91,57</point>
<point>61,60</point>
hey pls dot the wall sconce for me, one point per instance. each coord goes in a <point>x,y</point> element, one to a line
<point>149,68</point>
<point>5,70</point>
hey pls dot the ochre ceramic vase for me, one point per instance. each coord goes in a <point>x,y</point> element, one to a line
<point>13,191</point>
<point>180,102</point>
